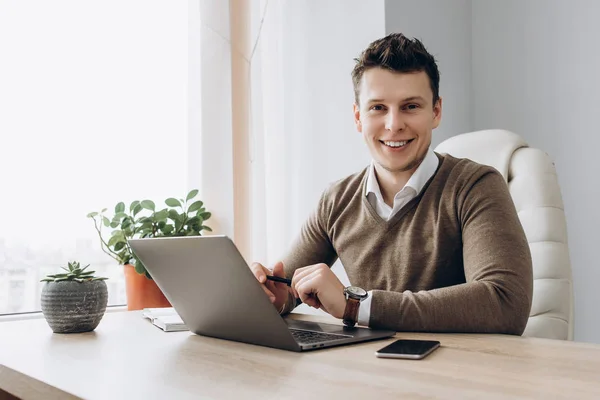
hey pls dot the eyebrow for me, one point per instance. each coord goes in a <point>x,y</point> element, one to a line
<point>412,98</point>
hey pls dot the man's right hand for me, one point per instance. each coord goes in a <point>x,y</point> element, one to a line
<point>277,291</point>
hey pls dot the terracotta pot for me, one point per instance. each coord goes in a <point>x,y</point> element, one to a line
<point>142,292</point>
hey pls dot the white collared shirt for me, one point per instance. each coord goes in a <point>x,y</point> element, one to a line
<point>413,187</point>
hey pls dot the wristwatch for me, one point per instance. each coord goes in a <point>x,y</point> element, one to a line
<point>354,295</point>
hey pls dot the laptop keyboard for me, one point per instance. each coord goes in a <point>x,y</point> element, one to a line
<point>309,337</point>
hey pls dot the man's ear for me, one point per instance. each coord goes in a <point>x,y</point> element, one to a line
<point>357,121</point>
<point>437,113</point>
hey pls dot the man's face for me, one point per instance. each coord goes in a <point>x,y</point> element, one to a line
<point>396,117</point>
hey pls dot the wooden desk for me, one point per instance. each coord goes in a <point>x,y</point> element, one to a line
<point>128,358</point>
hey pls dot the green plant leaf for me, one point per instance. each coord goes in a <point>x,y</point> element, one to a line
<point>172,202</point>
<point>106,221</point>
<point>146,224</point>
<point>133,205</point>
<point>112,240</point>
<point>167,229</point>
<point>205,228</point>
<point>115,239</point>
<point>92,214</point>
<point>195,206</point>
<point>178,225</point>
<point>139,268</point>
<point>161,215</point>
<point>174,215</point>
<point>126,223</point>
<point>120,207</point>
<point>148,205</point>
<point>137,209</point>
<point>119,245</point>
<point>114,224</point>
<point>193,221</point>
<point>119,216</point>
<point>191,194</point>
<point>205,215</point>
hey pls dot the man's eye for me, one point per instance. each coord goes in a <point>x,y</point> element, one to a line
<point>377,107</point>
<point>411,106</point>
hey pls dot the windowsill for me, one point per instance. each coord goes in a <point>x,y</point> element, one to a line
<point>37,315</point>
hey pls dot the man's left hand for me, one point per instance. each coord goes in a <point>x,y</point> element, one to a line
<point>317,286</point>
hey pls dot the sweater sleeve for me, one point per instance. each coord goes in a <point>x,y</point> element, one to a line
<point>497,295</point>
<point>312,246</point>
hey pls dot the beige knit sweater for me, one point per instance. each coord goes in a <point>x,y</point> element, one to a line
<point>454,259</point>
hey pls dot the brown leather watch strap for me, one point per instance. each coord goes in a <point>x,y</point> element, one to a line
<point>351,311</point>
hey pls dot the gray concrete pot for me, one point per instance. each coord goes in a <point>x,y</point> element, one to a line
<point>71,307</point>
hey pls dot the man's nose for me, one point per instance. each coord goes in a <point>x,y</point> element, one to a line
<point>394,121</point>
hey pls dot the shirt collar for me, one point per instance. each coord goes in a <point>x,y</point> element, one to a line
<point>417,180</point>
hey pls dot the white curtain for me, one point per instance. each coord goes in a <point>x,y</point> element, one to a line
<point>279,70</point>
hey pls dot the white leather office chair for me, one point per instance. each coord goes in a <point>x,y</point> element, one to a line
<point>533,184</point>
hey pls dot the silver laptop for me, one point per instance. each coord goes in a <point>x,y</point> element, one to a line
<point>213,290</point>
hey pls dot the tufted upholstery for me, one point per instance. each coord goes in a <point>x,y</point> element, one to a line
<point>533,184</point>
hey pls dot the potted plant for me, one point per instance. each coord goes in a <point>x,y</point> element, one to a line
<point>142,220</point>
<point>74,301</point>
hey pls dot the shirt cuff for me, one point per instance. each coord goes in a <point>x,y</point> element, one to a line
<point>364,312</point>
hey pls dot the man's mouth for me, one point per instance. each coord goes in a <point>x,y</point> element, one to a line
<point>394,144</point>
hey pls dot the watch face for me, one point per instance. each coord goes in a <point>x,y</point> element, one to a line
<point>356,291</point>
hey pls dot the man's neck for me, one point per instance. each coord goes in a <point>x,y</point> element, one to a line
<point>391,183</point>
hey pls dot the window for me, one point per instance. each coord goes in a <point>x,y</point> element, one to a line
<point>93,111</point>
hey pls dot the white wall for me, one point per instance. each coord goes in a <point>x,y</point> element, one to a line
<point>324,38</point>
<point>535,67</point>
<point>444,27</point>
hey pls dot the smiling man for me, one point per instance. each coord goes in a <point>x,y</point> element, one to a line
<point>429,242</point>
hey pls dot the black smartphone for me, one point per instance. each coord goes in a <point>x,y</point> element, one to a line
<point>410,349</point>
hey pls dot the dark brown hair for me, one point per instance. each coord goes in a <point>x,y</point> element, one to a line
<point>396,53</point>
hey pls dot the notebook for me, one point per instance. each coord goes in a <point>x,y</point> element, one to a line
<point>166,319</point>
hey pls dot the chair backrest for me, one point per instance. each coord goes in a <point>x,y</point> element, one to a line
<point>533,185</point>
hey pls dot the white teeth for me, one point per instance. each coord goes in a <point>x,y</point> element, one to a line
<point>395,144</point>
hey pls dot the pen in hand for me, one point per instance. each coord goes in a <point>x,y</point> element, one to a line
<point>278,279</point>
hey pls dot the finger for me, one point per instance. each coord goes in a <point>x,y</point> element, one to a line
<point>299,274</point>
<point>278,269</point>
<point>308,288</point>
<point>308,282</point>
<point>259,271</point>
<point>312,302</point>
<point>268,293</point>
<point>307,295</point>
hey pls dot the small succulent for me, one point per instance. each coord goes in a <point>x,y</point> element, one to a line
<point>74,273</point>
